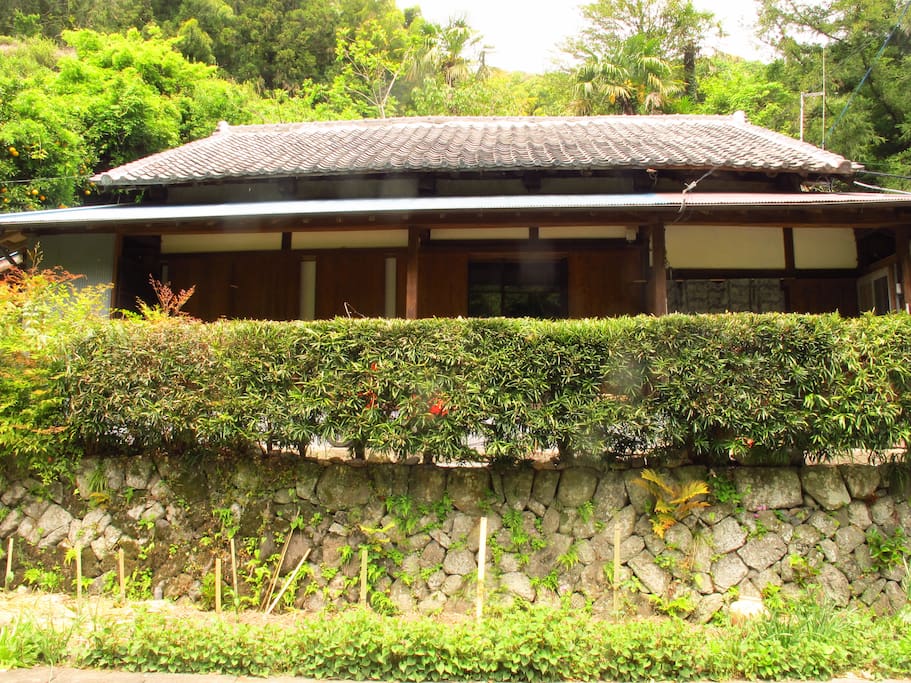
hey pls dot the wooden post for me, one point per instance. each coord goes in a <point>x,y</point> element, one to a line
<point>903,258</point>
<point>412,273</point>
<point>616,580</point>
<point>9,563</point>
<point>278,568</point>
<point>288,581</point>
<point>363,598</point>
<point>234,574</point>
<point>657,274</point>
<point>122,575</point>
<point>217,585</point>
<point>79,572</point>
<point>482,567</point>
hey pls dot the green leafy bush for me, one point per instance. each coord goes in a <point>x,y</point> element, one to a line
<point>753,388</point>
<point>41,311</point>
<point>810,641</point>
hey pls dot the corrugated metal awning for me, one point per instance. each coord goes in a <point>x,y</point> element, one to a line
<point>431,210</point>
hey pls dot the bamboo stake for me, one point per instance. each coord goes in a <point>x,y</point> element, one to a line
<point>616,580</point>
<point>9,563</point>
<point>278,569</point>
<point>122,576</point>
<point>363,600</point>
<point>482,567</point>
<point>288,582</point>
<point>234,574</point>
<point>217,585</point>
<point>79,572</point>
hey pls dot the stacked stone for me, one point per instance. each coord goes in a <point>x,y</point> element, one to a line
<point>551,531</point>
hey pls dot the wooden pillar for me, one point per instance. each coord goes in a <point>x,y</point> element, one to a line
<point>903,260</point>
<point>412,273</point>
<point>657,274</point>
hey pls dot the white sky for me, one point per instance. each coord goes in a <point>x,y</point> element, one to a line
<point>526,34</point>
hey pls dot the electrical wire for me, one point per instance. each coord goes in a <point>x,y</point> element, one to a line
<point>870,70</point>
<point>881,189</point>
<point>880,174</point>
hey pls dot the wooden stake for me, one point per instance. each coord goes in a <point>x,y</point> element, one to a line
<point>9,563</point>
<point>78,572</point>
<point>278,568</point>
<point>123,577</point>
<point>616,580</point>
<point>288,582</point>
<point>234,574</point>
<point>482,567</point>
<point>217,585</point>
<point>363,600</point>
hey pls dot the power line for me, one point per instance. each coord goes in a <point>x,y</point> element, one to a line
<point>870,70</point>
<point>880,174</point>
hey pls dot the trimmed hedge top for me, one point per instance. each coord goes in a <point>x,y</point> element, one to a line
<point>741,386</point>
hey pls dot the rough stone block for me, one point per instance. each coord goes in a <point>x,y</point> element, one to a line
<point>610,496</point>
<point>768,488</point>
<point>459,562</point>
<point>727,571</point>
<point>577,486</point>
<point>834,585</point>
<point>545,487</point>
<point>341,487</point>
<point>826,486</point>
<point>848,538</point>
<point>517,488</point>
<point>519,585</point>
<point>655,579</point>
<point>427,484</point>
<point>824,523</point>
<point>762,553</point>
<point>53,526</point>
<point>883,512</point>
<point>728,535</point>
<point>469,489</point>
<point>861,480</point>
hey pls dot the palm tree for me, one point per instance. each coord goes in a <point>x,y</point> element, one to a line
<point>446,48</point>
<point>631,80</point>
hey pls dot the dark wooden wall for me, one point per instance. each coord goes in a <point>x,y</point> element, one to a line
<point>822,295</point>
<point>238,285</point>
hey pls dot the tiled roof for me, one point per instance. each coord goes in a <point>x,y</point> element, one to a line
<point>480,144</point>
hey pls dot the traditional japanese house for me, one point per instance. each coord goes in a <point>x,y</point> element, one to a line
<point>548,217</point>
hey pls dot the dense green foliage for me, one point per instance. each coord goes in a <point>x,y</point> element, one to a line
<point>749,387</point>
<point>86,84</point>
<point>810,641</point>
<point>845,42</point>
<point>40,312</point>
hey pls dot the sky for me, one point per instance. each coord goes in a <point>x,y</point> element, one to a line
<point>526,34</point>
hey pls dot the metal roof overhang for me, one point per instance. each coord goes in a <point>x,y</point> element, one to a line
<point>794,209</point>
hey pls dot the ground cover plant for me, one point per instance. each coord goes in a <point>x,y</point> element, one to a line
<point>807,639</point>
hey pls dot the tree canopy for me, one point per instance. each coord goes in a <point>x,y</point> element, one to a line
<point>86,84</point>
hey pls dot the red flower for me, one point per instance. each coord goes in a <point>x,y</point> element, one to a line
<point>438,408</point>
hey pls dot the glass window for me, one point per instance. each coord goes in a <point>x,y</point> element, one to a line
<point>515,289</point>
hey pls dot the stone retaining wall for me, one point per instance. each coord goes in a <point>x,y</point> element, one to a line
<point>551,532</point>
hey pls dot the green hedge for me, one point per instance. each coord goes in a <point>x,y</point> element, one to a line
<point>535,645</point>
<point>757,387</point>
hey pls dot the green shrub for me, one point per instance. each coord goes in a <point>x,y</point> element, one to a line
<point>810,641</point>
<point>753,388</point>
<point>41,311</point>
